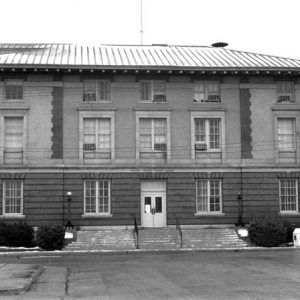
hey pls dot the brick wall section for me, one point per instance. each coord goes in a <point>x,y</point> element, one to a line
<point>45,203</point>
<point>181,200</point>
<point>57,123</point>
<point>43,199</point>
<point>245,113</point>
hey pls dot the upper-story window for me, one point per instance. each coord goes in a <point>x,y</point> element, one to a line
<point>153,137</point>
<point>207,134</point>
<point>14,90</point>
<point>153,91</point>
<point>285,92</point>
<point>13,140</point>
<point>207,91</point>
<point>96,138</point>
<point>96,91</point>
<point>12,197</point>
<point>286,132</point>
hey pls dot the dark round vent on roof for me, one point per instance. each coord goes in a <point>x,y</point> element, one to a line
<point>219,45</point>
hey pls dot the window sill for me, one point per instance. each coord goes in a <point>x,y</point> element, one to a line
<point>13,100</point>
<point>7,216</point>
<point>96,107</point>
<point>209,214</point>
<point>289,213</point>
<point>286,106</point>
<point>96,215</point>
<point>96,102</point>
<point>208,107</point>
<point>208,151</point>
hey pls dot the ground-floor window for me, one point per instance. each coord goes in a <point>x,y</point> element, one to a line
<point>208,196</point>
<point>288,195</point>
<point>12,197</point>
<point>97,197</point>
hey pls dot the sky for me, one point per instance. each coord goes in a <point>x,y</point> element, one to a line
<point>260,26</point>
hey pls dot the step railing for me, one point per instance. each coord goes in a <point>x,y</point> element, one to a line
<point>136,230</point>
<point>178,227</point>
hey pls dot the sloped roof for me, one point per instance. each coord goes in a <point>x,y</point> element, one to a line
<point>138,57</point>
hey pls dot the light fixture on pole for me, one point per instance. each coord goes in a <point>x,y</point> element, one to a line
<point>69,223</point>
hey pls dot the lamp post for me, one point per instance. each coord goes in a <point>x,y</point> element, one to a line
<point>69,223</point>
<point>240,209</point>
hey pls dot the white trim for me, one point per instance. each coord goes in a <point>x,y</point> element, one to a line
<point>152,115</point>
<point>98,115</point>
<point>12,215</point>
<point>208,115</point>
<point>209,214</point>
<point>93,215</point>
<point>140,170</point>
<point>97,214</point>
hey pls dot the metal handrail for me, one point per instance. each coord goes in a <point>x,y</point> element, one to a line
<point>178,227</point>
<point>136,230</point>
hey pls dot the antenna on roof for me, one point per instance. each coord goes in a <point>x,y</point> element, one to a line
<point>141,31</point>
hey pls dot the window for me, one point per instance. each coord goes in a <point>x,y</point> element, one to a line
<point>288,195</point>
<point>14,90</point>
<point>208,196</point>
<point>153,137</point>
<point>96,138</point>
<point>97,197</point>
<point>207,91</point>
<point>286,134</point>
<point>12,197</point>
<point>153,91</point>
<point>96,90</point>
<point>207,134</point>
<point>285,92</point>
<point>13,140</point>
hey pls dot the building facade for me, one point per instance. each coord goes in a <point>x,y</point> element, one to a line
<point>201,135</point>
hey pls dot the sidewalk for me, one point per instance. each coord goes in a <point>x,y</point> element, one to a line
<point>17,278</point>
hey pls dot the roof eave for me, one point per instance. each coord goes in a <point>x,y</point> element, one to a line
<point>55,67</point>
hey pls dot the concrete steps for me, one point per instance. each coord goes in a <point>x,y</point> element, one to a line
<point>212,238</point>
<point>105,239</point>
<point>157,238</point>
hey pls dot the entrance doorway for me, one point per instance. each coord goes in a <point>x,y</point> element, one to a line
<point>153,204</point>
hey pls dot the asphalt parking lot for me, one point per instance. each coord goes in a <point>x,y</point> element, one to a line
<point>188,275</point>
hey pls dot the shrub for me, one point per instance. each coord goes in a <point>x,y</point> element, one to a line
<point>267,232</point>
<point>51,237</point>
<point>289,231</point>
<point>16,235</point>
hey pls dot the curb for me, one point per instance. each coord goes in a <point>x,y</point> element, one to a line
<point>22,288</point>
<point>136,251</point>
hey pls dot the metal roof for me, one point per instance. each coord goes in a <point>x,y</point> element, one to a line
<point>137,57</point>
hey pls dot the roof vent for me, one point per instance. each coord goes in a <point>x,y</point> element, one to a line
<point>219,45</point>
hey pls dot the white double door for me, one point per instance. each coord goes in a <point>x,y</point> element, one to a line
<point>153,204</point>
